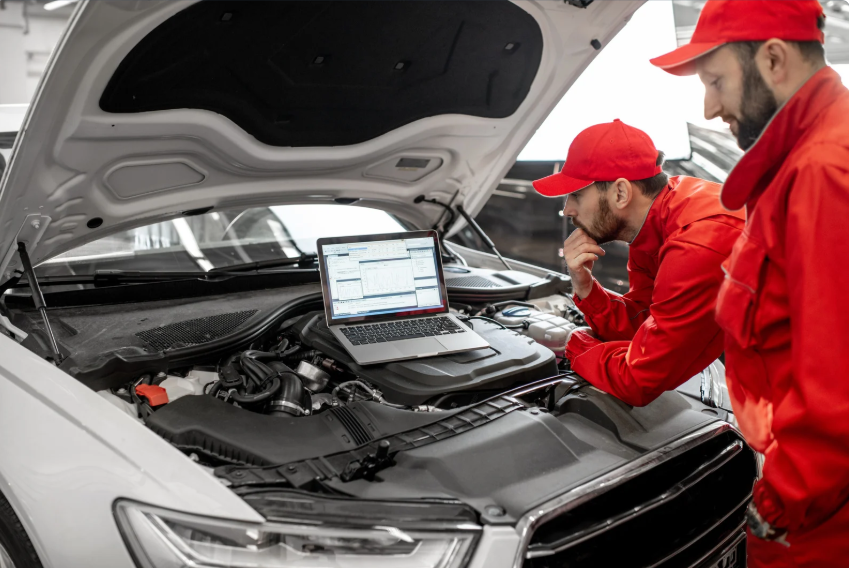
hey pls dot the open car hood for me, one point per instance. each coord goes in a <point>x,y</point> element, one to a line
<point>151,110</point>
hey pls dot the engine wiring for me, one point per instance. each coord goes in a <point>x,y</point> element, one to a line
<point>372,394</point>
<point>490,320</point>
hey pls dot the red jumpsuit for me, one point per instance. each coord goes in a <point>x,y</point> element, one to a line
<point>663,331</point>
<point>787,326</point>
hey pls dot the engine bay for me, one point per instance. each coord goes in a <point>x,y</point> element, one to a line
<point>259,379</point>
<point>308,397</point>
<point>243,377</point>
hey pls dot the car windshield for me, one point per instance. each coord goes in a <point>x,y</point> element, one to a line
<point>221,238</point>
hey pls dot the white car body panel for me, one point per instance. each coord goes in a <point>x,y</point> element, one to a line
<point>63,166</point>
<point>66,455</point>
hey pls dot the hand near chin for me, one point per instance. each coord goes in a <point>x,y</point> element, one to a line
<point>580,252</point>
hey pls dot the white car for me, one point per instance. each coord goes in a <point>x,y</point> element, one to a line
<point>168,184</point>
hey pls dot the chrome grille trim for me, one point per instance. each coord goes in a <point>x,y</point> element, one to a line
<point>528,524</point>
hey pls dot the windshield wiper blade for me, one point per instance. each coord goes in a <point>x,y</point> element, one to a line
<point>109,277</point>
<point>306,259</point>
<point>113,277</point>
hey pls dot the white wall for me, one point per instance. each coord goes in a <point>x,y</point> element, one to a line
<point>28,34</point>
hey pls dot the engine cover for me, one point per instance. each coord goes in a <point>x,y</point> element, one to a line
<point>513,359</point>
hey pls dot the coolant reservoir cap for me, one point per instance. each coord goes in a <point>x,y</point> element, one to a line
<point>517,312</point>
<point>155,395</point>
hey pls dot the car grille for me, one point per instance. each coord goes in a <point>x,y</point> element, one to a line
<point>679,513</point>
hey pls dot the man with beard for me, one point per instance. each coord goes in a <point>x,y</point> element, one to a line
<point>663,331</point>
<point>782,302</point>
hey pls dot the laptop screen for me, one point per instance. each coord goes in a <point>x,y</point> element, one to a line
<point>381,277</point>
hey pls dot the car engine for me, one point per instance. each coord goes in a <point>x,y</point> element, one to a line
<point>244,411</point>
<point>257,378</point>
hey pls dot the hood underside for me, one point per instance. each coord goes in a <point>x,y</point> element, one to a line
<point>149,110</point>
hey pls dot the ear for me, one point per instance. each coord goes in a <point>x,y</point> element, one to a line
<point>772,60</point>
<point>622,193</point>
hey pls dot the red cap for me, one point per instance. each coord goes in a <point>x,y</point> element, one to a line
<point>724,21</point>
<point>155,395</point>
<point>604,152</point>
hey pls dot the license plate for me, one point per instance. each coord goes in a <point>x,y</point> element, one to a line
<point>734,558</point>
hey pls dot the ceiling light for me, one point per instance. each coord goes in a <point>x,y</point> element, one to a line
<point>56,4</point>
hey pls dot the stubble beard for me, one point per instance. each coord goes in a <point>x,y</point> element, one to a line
<point>606,227</point>
<point>757,107</point>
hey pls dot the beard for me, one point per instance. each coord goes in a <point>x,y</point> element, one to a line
<point>606,226</point>
<point>757,108</point>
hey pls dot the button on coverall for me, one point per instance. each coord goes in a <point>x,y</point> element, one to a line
<point>786,323</point>
<point>663,330</point>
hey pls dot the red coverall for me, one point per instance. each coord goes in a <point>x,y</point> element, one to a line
<point>663,331</point>
<point>786,323</point>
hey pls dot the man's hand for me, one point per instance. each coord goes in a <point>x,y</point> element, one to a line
<point>588,330</point>
<point>580,253</point>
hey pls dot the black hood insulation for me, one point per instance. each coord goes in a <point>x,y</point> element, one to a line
<point>332,73</point>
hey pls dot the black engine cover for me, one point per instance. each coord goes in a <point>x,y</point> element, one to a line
<point>513,359</point>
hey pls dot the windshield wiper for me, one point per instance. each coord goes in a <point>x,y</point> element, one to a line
<point>305,260</point>
<point>111,277</point>
<point>107,277</point>
<point>114,277</point>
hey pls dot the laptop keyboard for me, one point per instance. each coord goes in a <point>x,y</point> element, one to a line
<point>398,330</point>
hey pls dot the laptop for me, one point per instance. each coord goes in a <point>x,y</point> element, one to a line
<point>385,298</point>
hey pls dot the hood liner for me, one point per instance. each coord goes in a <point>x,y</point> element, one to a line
<point>332,73</point>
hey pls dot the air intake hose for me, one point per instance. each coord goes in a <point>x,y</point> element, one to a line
<point>292,399</point>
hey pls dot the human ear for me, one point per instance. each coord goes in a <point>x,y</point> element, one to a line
<point>772,60</point>
<point>623,192</point>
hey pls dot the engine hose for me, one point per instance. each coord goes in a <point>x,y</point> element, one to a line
<point>372,394</point>
<point>293,399</point>
<point>256,371</point>
<point>258,397</point>
<point>242,396</point>
<point>261,377</point>
<point>289,351</point>
<point>254,354</point>
<point>490,309</point>
<point>305,356</point>
<point>229,376</point>
<point>360,384</point>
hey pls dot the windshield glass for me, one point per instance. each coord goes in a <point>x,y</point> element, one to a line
<point>221,238</point>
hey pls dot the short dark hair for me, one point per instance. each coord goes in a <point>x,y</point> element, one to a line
<point>812,51</point>
<point>649,187</point>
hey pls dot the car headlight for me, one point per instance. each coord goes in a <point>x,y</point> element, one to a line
<point>159,538</point>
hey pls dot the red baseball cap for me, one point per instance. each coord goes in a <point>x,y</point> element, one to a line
<point>604,152</point>
<point>724,21</point>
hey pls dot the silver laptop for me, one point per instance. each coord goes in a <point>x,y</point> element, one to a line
<point>385,298</point>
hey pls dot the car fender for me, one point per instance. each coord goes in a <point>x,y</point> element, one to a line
<point>67,454</point>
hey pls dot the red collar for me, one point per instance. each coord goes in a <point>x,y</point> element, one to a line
<point>758,166</point>
<point>649,237</point>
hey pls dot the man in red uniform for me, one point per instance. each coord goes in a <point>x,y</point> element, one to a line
<point>782,302</point>
<point>663,331</point>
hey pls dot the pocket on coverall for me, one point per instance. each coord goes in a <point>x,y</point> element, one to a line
<point>738,296</point>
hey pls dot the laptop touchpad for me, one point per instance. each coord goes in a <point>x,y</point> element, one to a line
<point>423,346</point>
